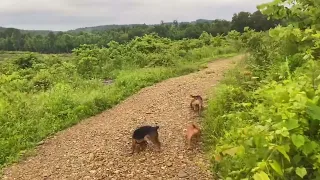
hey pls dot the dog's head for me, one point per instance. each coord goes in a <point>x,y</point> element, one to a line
<point>193,128</point>
<point>153,135</point>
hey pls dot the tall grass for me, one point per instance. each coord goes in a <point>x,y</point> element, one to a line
<point>264,124</point>
<point>43,94</point>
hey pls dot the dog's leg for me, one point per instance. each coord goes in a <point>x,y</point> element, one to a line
<point>134,143</point>
<point>143,145</point>
<point>199,110</point>
<point>155,140</point>
<point>189,137</point>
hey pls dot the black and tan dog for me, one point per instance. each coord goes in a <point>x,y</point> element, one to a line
<point>196,103</point>
<point>141,134</point>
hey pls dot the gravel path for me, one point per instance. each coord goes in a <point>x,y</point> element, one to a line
<point>99,147</point>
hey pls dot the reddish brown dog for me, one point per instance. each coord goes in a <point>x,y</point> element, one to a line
<point>192,131</point>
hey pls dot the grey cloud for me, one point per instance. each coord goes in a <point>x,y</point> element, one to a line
<point>103,3</point>
<point>71,14</point>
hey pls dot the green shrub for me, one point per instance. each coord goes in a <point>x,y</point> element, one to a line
<point>267,127</point>
<point>43,94</point>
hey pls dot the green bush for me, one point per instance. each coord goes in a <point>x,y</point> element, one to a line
<point>43,94</point>
<point>266,126</point>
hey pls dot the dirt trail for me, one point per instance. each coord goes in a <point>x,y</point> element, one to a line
<point>98,147</point>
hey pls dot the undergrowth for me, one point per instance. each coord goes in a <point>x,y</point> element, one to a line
<point>262,121</point>
<point>43,94</point>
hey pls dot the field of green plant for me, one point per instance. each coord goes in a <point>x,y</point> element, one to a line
<point>42,94</point>
<point>263,121</point>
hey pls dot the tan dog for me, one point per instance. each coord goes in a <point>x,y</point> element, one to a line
<point>192,131</point>
<point>196,103</point>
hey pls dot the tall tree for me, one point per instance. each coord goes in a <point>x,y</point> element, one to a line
<point>240,21</point>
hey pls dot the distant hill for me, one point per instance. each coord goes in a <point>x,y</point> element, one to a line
<point>116,26</point>
<point>202,21</point>
<point>97,28</point>
<point>101,28</point>
<point>34,32</point>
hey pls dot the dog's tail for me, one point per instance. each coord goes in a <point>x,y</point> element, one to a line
<point>193,96</point>
<point>196,96</point>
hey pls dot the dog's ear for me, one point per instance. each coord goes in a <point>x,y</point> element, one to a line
<point>195,127</point>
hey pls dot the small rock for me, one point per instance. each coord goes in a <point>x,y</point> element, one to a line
<point>124,169</point>
<point>150,176</point>
<point>180,157</point>
<point>154,162</point>
<point>210,72</point>
<point>91,157</point>
<point>163,167</point>
<point>169,164</point>
<point>117,171</point>
<point>129,175</point>
<point>182,174</point>
<point>46,174</point>
<point>40,143</point>
<point>153,169</point>
<point>93,171</point>
<point>87,177</point>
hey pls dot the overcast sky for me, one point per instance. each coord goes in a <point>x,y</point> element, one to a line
<point>71,14</point>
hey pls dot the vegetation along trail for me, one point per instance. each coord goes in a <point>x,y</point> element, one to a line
<point>99,147</point>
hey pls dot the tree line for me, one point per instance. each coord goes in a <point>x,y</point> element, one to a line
<point>63,42</point>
